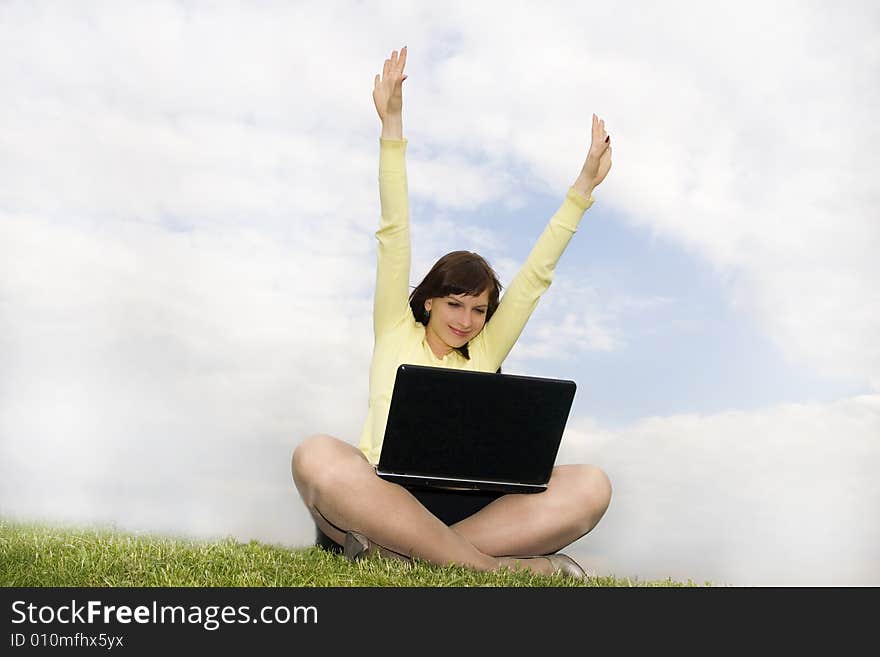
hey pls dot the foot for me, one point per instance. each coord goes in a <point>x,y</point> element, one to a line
<point>549,564</point>
<point>536,564</point>
<point>357,546</point>
<point>566,566</point>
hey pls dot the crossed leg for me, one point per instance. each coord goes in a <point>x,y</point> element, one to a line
<point>342,492</point>
<point>576,498</point>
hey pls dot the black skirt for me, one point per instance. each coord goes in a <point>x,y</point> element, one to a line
<point>451,506</point>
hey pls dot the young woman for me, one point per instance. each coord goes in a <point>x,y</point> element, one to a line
<point>445,322</point>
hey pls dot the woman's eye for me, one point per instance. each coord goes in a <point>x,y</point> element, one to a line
<point>453,304</point>
<point>481,311</point>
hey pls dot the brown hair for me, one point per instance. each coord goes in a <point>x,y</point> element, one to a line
<point>458,272</point>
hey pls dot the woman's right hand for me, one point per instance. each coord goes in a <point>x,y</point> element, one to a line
<point>388,91</point>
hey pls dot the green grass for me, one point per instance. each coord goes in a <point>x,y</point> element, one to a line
<point>34,554</point>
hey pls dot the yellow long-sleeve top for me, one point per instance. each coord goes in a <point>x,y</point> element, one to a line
<point>399,338</point>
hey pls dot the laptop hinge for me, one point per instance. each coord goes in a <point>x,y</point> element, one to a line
<point>456,480</point>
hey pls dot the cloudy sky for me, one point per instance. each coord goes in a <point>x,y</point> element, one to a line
<point>188,201</point>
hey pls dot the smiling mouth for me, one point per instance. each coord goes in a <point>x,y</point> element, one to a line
<point>460,334</point>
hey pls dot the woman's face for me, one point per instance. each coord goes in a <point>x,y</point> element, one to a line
<point>457,318</point>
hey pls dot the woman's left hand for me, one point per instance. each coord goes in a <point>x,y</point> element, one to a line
<point>599,158</point>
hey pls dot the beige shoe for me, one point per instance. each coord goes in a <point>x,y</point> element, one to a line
<point>565,565</point>
<point>357,546</point>
<point>562,564</point>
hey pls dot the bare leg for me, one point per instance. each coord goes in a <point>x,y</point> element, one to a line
<point>342,492</point>
<point>542,523</point>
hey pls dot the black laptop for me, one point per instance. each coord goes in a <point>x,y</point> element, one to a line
<point>456,429</point>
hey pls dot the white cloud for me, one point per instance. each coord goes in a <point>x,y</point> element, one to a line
<point>782,496</point>
<point>451,181</point>
<point>576,333</point>
<point>575,318</point>
<point>150,375</point>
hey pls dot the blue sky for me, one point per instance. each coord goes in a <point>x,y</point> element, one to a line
<point>188,201</point>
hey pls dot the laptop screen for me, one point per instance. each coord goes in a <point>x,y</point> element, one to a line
<point>475,425</point>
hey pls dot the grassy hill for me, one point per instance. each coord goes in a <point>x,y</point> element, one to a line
<point>49,555</point>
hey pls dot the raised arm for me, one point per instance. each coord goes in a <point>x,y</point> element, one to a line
<point>535,276</point>
<point>391,301</point>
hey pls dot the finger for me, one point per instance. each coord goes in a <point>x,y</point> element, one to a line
<point>402,58</point>
<point>376,81</point>
<point>393,59</point>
